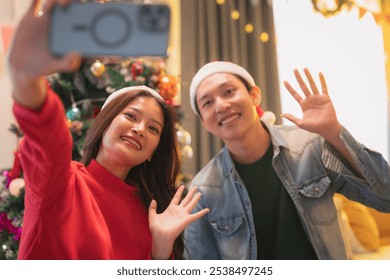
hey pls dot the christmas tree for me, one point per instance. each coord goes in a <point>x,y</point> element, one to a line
<point>11,206</point>
<point>84,92</point>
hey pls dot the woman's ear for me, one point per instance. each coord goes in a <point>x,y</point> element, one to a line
<point>256,95</point>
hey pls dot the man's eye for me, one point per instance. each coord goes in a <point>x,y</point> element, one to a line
<point>230,91</point>
<point>207,103</point>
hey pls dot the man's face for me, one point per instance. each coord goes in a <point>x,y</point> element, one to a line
<point>225,105</point>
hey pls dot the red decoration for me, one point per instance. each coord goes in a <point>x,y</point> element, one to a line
<point>136,70</point>
<point>16,168</point>
<point>259,111</point>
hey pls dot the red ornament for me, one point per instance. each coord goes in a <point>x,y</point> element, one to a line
<point>259,111</point>
<point>136,70</point>
<point>16,168</point>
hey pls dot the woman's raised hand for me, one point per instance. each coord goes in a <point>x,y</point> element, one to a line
<point>167,226</point>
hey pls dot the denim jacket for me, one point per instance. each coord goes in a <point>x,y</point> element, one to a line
<point>311,171</point>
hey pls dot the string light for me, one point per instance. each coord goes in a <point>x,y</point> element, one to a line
<point>248,28</point>
<point>264,37</point>
<point>235,15</point>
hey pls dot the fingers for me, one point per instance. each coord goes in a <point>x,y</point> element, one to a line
<point>176,198</point>
<point>70,62</point>
<point>189,196</point>
<point>312,84</point>
<point>67,63</point>
<point>302,83</point>
<point>323,84</point>
<point>292,118</point>
<point>292,91</point>
<point>191,199</point>
<point>195,199</point>
<point>198,215</point>
<point>37,7</point>
<point>153,207</point>
<point>34,5</point>
<point>306,91</point>
<point>43,6</point>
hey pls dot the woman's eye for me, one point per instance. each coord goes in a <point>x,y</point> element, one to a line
<point>130,116</point>
<point>154,129</point>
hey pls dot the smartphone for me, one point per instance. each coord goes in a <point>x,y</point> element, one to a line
<point>111,29</point>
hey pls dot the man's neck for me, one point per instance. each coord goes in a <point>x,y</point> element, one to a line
<point>252,147</point>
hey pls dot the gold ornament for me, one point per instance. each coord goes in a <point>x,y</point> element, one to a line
<point>329,8</point>
<point>98,68</point>
<point>187,152</point>
<point>167,86</point>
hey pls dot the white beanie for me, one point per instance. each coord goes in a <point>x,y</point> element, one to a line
<point>117,93</point>
<point>212,68</point>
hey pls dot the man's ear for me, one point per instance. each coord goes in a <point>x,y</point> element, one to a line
<point>256,95</point>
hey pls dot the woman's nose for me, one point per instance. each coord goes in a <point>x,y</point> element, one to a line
<point>138,129</point>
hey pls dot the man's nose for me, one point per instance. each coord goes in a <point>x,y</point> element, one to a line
<point>221,105</point>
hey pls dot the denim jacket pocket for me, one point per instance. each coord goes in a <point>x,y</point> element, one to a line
<point>232,236</point>
<point>227,225</point>
<point>316,188</point>
<point>317,201</point>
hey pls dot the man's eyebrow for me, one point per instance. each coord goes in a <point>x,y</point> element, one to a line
<point>206,95</point>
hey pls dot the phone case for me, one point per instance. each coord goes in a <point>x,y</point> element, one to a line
<point>110,29</point>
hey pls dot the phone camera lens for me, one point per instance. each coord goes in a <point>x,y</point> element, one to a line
<point>104,35</point>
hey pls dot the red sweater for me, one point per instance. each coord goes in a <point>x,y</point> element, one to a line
<point>73,211</point>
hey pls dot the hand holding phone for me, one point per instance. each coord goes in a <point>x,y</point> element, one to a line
<point>110,29</point>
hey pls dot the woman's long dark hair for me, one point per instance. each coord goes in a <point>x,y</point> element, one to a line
<point>155,178</point>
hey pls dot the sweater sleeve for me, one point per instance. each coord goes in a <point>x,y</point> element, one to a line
<point>46,150</point>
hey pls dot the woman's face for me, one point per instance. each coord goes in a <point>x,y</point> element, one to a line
<point>132,136</point>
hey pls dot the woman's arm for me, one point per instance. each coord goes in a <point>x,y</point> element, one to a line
<point>46,146</point>
<point>29,59</point>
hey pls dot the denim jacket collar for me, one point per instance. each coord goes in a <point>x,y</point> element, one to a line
<point>279,138</point>
<point>283,138</point>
